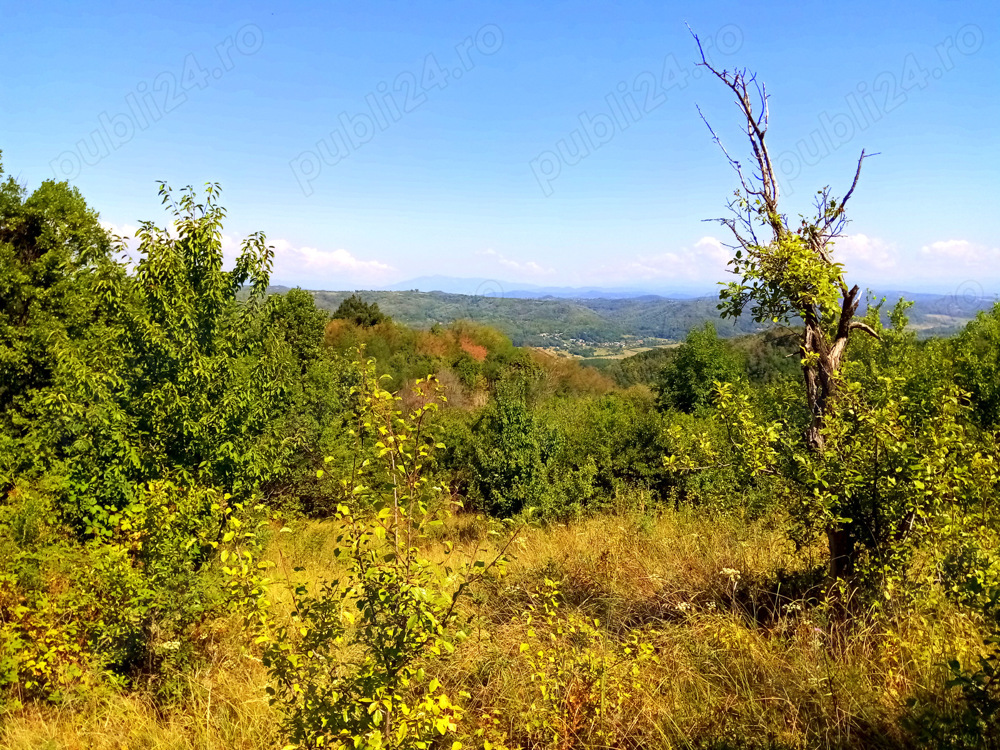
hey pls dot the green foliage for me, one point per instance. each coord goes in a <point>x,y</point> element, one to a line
<point>923,368</point>
<point>980,685</point>
<point>641,368</point>
<point>780,281</point>
<point>560,457</point>
<point>312,420</point>
<point>619,435</point>
<point>124,609</point>
<point>202,386</point>
<point>49,243</point>
<point>973,723</point>
<point>888,479</point>
<point>359,312</point>
<point>508,456</point>
<point>902,466</point>
<point>977,365</point>
<point>767,357</point>
<point>392,609</point>
<point>170,383</point>
<point>43,642</point>
<point>686,381</point>
<point>301,324</point>
<point>728,459</point>
<point>477,355</point>
<point>142,396</point>
<point>584,684</point>
<point>771,357</point>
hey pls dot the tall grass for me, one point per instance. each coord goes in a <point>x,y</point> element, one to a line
<point>745,654</point>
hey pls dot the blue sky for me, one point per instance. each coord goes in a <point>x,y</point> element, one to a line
<point>555,145</point>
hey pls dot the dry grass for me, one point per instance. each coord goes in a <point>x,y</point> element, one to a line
<point>744,654</point>
<point>739,662</point>
<point>225,708</point>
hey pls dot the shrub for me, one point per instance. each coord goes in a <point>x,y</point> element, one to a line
<point>348,672</point>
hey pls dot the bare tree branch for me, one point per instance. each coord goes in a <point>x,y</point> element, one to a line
<point>735,164</point>
<point>773,277</point>
<point>857,325</point>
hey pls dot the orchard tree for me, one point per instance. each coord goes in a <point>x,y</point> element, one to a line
<point>787,272</point>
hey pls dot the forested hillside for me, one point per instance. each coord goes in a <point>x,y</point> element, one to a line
<point>591,322</point>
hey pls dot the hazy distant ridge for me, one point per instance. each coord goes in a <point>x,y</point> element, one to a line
<point>529,320</point>
<point>500,288</point>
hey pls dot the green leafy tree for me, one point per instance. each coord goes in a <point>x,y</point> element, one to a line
<point>977,364</point>
<point>312,420</point>
<point>902,466</point>
<point>179,384</point>
<point>360,312</point>
<point>686,381</point>
<point>50,242</point>
<point>299,322</point>
<point>509,452</point>
<point>172,382</point>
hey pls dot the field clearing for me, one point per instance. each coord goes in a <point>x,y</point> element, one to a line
<point>723,612</point>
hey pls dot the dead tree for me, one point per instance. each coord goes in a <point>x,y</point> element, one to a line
<point>787,273</point>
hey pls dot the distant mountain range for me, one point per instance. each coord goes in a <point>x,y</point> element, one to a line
<point>499,288</point>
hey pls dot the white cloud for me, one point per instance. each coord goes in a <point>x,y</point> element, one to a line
<point>936,265</point>
<point>712,248</point>
<point>526,268</point>
<point>704,262</point>
<point>958,261</point>
<point>961,251</point>
<point>861,253</point>
<point>126,231</point>
<point>318,268</point>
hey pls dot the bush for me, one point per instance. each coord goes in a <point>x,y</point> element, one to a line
<point>392,609</point>
<point>508,453</point>
<point>685,382</point>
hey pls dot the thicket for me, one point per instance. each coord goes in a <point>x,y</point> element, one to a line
<point>172,434</point>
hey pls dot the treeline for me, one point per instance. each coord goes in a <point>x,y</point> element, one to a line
<point>533,322</point>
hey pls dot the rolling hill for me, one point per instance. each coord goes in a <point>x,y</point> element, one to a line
<point>593,321</point>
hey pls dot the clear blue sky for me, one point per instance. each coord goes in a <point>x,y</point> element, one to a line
<point>484,175</point>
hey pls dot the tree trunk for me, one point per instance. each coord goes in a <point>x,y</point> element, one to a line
<point>843,550</point>
<point>822,363</point>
